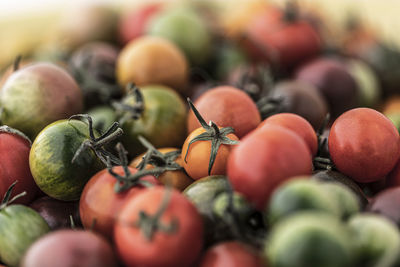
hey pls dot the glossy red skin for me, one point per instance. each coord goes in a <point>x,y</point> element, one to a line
<point>364,145</point>
<point>226,106</point>
<point>264,159</point>
<point>70,248</point>
<point>296,124</point>
<point>134,24</point>
<point>181,248</point>
<point>333,80</point>
<point>283,43</point>
<point>14,165</point>
<point>99,201</point>
<point>232,254</point>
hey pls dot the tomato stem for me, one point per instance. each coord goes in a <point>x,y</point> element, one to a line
<point>150,224</point>
<point>256,81</point>
<point>130,111</point>
<point>6,199</point>
<point>213,133</point>
<point>17,62</point>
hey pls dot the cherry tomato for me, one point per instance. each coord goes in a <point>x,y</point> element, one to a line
<point>176,238</point>
<point>386,203</point>
<point>99,204</point>
<point>197,156</point>
<point>232,254</point>
<point>133,24</point>
<point>264,159</point>
<point>152,60</point>
<point>364,145</point>
<point>14,164</point>
<point>226,106</point>
<point>68,248</point>
<point>296,124</point>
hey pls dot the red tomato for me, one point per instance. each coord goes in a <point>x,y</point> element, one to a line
<point>134,24</point>
<point>14,166</point>
<point>232,254</point>
<point>99,204</point>
<point>364,144</point>
<point>282,42</point>
<point>264,159</point>
<point>177,248</point>
<point>297,124</point>
<point>226,106</point>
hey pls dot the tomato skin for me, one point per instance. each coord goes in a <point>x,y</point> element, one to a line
<point>264,159</point>
<point>174,249</point>
<point>198,156</point>
<point>364,145</point>
<point>99,204</point>
<point>232,254</point>
<point>51,155</point>
<point>296,124</point>
<point>133,24</point>
<point>177,179</point>
<point>14,165</point>
<point>37,95</point>
<point>226,106</point>
<point>68,248</point>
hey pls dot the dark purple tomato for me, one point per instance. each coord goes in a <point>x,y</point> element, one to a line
<point>70,248</point>
<point>57,213</point>
<point>302,99</point>
<point>333,80</point>
<point>387,203</point>
<point>93,66</point>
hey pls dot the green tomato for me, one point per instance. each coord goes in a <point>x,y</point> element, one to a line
<point>395,118</point>
<point>162,123</point>
<point>20,227</point>
<point>51,155</point>
<point>184,27</point>
<point>346,200</point>
<point>299,195</point>
<point>377,241</point>
<point>308,239</point>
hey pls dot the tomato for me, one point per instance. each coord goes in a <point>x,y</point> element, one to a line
<point>152,60</point>
<point>185,28</point>
<point>177,179</point>
<point>93,66</point>
<point>233,254</point>
<point>226,106</point>
<point>197,156</point>
<point>14,164</point>
<point>386,203</point>
<point>309,239</point>
<point>264,159</point>
<point>18,63</point>
<point>51,155</point>
<point>364,145</point>
<point>282,41</point>
<point>99,204</point>
<point>333,80</point>
<point>175,239</point>
<point>56,213</point>
<point>68,248</point>
<point>301,98</point>
<point>296,124</point>
<point>20,226</point>
<point>162,121</point>
<point>37,95</point>
<point>133,24</point>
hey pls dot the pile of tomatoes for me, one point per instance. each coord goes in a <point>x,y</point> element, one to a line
<point>180,135</point>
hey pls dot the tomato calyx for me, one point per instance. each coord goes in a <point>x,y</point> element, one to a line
<point>16,63</point>
<point>97,144</point>
<point>127,180</point>
<point>9,130</point>
<point>130,111</point>
<point>150,224</point>
<point>322,161</point>
<point>212,133</point>
<point>291,12</point>
<point>268,106</point>
<point>255,81</point>
<point>6,199</point>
